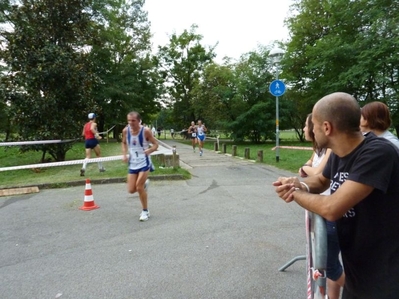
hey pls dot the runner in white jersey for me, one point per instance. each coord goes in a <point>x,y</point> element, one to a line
<point>136,152</point>
<point>201,130</point>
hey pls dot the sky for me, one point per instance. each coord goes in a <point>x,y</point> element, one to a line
<point>239,26</point>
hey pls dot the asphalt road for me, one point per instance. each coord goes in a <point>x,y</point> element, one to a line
<point>222,234</point>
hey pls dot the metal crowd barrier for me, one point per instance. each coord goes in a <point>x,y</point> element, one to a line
<point>316,256</point>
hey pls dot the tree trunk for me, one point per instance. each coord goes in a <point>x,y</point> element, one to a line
<point>44,154</point>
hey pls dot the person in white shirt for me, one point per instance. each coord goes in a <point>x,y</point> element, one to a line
<point>201,130</point>
<point>136,152</point>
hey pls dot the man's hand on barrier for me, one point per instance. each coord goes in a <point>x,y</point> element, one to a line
<point>286,186</point>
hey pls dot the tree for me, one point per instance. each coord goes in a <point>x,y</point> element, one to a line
<point>182,63</point>
<point>340,45</point>
<point>235,97</point>
<point>213,96</point>
<point>49,82</point>
<point>129,79</point>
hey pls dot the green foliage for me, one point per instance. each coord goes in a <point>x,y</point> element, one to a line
<point>214,96</point>
<point>129,79</point>
<point>48,85</point>
<point>182,63</point>
<point>254,123</point>
<point>344,46</point>
<point>235,97</point>
<point>65,59</point>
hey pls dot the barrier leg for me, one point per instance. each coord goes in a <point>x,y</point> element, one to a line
<point>289,263</point>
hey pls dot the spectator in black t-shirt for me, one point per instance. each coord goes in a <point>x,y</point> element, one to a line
<point>363,174</point>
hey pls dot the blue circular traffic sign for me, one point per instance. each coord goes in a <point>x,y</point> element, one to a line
<point>277,88</point>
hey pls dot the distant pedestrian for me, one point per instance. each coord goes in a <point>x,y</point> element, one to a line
<point>153,131</point>
<point>136,152</point>
<point>92,137</point>
<point>159,132</point>
<point>172,133</point>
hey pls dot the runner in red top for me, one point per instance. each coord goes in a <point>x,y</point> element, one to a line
<point>91,142</point>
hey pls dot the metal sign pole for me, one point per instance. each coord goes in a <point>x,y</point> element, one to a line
<point>277,88</point>
<point>277,133</point>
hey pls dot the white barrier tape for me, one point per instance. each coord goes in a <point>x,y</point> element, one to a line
<point>38,142</point>
<point>63,163</point>
<point>35,142</point>
<point>306,148</point>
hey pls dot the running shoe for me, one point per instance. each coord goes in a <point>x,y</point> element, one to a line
<point>201,153</point>
<point>144,215</point>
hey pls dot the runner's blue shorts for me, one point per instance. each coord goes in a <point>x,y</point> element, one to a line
<point>91,143</point>
<point>143,169</point>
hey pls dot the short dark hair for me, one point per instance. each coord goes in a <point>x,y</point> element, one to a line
<point>136,114</point>
<point>377,115</point>
<point>341,110</point>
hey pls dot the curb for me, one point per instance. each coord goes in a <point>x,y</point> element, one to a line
<point>82,182</point>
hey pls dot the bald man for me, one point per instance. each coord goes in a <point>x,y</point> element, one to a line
<point>363,176</point>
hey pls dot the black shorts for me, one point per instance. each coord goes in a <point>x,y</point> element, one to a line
<point>91,143</point>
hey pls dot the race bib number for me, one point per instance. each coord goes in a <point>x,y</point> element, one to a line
<point>193,135</point>
<point>135,157</point>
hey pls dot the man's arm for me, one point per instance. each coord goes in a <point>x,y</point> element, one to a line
<point>93,128</point>
<point>154,142</point>
<point>334,206</point>
<point>330,207</point>
<point>124,144</point>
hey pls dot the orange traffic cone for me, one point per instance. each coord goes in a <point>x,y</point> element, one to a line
<point>88,203</point>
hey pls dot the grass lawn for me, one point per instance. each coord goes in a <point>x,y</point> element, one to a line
<point>10,156</point>
<point>289,159</point>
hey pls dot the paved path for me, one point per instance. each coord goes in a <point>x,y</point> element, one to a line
<point>222,234</point>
